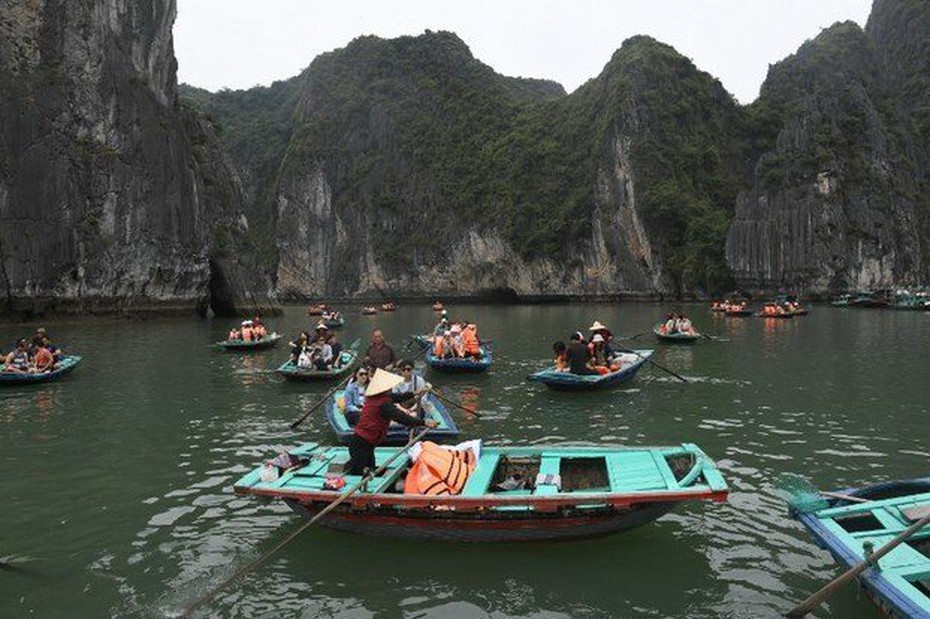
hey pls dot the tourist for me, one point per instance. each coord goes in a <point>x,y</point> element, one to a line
<point>43,361</point>
<point>578,355</point>
<point>354,395</point>
<point>598,329</point>
<point>413,382</point>
<point>561,356</point>
<point>471,346</point>
<point>298,345</point>
<point>379,410</point>
<point>234,334</point>
<point>379,354</point>
<point>18,360</point>
<point>248,333</point>
<point>336,348</point>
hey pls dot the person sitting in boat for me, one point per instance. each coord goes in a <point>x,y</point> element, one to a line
<point>248,333</point>
<point>413,382</point>
<point>44,360</point>
<point>234,334</point>
<point>298,345</point>
<point>471,345</point>
<point>561,356</point>
<point>441,327</point>
<point>354,395</point>
<point>379,410</point>
<point>18,361</point>
<point>597,351</point>
<point>379,354</point>
<point>684,325</point>
<point>258,329</point>
<point>670,323</point>
<point>458,346</point>
<point>598,329</point>
<point>578,355</point>
<point>445,347</point>
<point>336,348</point>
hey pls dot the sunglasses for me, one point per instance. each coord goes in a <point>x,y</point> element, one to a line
<point>407,369</point>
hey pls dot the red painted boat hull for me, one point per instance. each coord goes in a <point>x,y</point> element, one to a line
<point>511,526</point>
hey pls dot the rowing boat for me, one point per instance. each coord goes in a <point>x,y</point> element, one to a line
<point>900,585</point>
<point>678,337</point>
<point>738,313</point>
<point>513,494</point>
<point>566,381</point>
<point>65,365</point>
<point>268,341</point>
<point>461,365</point>
<point>397,434</point>
<point>334,323</point>
<point>290,371</point>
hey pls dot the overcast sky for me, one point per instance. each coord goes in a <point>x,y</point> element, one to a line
<point>243,43</point>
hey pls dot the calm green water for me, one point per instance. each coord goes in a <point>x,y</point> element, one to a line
<point>117,488</point>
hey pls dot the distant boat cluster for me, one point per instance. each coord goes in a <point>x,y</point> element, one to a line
<point>901,299</point>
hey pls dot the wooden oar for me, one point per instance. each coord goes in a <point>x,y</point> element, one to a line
<point>661,367</point>
<point>455,404</point>
<point>829,589</point>
<point>342,497</point>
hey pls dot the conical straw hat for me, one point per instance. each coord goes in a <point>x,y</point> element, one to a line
<point>597,326</point>
<point>383,381</point>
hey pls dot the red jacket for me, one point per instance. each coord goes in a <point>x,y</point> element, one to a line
<point>378,413</point>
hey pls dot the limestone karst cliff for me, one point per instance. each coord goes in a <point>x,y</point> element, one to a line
<point>113,197</point>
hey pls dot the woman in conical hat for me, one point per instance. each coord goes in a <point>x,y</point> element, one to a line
<point>380,409</point>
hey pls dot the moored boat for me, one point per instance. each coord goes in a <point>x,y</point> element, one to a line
<point>678,337</point>
<point>64,365</point>
<point>512,494</point>
<point>850,527</point>
<point>630,363</point>
<point>461,365</point>
<point>269,341</point>
<point>397,435</point>
<point>290,371</point>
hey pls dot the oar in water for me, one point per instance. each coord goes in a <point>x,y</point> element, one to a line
<point>830,588</point>
<point>341,384</point>
<point>630,337</point>
<point>342,497</point>
<point>661,367</point>
<point>455,404</point>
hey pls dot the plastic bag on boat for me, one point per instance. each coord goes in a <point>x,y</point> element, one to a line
<point>269,472</point>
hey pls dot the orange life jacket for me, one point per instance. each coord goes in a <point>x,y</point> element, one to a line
<point>470,341</point>
<point>439,471</point>
<point>438,346</point>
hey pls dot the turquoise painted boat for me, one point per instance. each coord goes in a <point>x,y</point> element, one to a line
<point>676,337</point>
<point>289,370</point>
<point>900,584</point>
<point>551,492</point>
<point>335,323</point>
<point>269,341</point>
<point>566,381</point>
<point>65,365</point>
<point>397,434</point>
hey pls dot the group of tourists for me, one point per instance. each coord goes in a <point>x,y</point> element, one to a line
<point>321,351</point>
<point>250,331</point>
<point>677,323</point>
<point>333,316</point>
<point>33,355</point>
<point>729,306</point>
<point>456,340</point>
<point>599,355</point>
<point>781,308</point>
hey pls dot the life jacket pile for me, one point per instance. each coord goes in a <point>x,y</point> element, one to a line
<point>439,471</point>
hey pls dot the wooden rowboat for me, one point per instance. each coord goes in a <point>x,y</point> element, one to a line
<point>369,310</point>
<point>461,365</point>
<point>566,381</point>
<point>388,307</point>
<point>568,492</point>
<point>290,371</point>
<point>738,313</point>
<point>677,337</point>
<point>65,365</point>
<point>900,586</point>
<point>269,341</point>
<point>397,435</point>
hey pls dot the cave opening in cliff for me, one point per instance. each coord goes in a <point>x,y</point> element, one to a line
<point>221,298</point>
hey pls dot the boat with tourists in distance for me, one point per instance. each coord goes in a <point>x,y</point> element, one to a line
<point>853,523</point>
<point>461,365</point>
<point>397,434</point>
<point>510,494</point>
<point>630,363</point>
<point>679,337</point>
<point>269,341</point>
<point>64,365</point>
<point>291,371</point>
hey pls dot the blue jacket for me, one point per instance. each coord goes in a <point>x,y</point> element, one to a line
<point>355,398</point>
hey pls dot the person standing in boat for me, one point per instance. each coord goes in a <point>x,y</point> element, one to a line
<point>379,411</point>
<point>579,355</point>
<point>379,354</point>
